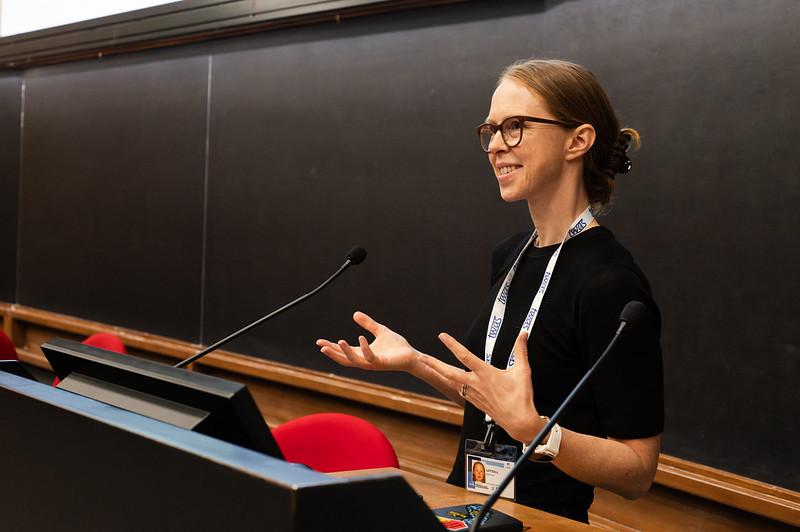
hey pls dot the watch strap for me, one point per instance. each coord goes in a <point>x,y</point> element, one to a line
<point>547,451</point>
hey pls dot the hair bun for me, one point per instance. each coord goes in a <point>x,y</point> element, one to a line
<point>618,161</point>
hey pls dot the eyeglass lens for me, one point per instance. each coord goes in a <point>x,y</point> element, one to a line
<point>510,130</point>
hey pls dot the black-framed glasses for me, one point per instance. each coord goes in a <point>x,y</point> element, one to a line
<point>511,130</point>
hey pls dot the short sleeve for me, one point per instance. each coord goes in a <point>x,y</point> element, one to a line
<point>628,387</point>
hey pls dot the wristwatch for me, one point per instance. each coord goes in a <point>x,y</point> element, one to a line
<point>547,451</point>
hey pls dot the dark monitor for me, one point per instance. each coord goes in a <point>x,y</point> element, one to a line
<point>15,367</point>
<point>216,407</point>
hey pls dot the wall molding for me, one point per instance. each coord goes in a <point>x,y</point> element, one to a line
<point>178,23</point>
<point>29,327</point>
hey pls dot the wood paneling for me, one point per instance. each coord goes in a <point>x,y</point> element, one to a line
<point>664,509</point>
<point>729,489</point>
<point>424,431</point>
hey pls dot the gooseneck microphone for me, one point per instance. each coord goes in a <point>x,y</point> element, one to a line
<point>354,257</point>
<point>633,313</point>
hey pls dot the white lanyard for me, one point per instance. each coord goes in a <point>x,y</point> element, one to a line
<point>499,309</point>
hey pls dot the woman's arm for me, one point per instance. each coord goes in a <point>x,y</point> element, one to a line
<point>626,467</point>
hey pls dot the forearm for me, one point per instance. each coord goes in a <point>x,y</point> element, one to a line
<point>426,374</point>
<point>625,467</point>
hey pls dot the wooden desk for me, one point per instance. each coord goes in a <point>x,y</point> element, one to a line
<point>439,494</point>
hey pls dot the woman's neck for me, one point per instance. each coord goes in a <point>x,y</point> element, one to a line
<point>553,214</point>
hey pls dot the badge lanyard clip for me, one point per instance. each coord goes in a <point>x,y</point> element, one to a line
<point>488,440</point>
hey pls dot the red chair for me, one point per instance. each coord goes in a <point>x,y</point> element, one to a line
<point>334,442</point>
<point>108,341</point>
<point>7,349</point>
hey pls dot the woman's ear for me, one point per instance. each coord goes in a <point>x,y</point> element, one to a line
<point>580,141</point>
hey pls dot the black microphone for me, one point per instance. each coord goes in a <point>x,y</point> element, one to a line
<point>632,314</point>
<point>354,256</point>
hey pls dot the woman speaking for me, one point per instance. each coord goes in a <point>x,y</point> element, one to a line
<point>553,141</point>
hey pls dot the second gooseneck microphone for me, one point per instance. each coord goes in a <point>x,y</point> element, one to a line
<point>354,257</point>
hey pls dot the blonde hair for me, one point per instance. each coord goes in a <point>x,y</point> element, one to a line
<point>574,96</point>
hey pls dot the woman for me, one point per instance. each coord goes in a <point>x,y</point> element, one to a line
<point>553,141</point>
<point>478,471</point>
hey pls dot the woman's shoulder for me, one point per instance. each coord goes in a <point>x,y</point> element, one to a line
<point>609,271</point>
<point>599,248</point>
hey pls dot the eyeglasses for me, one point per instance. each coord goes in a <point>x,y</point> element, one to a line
<point>511,130</point>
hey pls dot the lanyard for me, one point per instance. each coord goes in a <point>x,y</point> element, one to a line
<point>499,308</point>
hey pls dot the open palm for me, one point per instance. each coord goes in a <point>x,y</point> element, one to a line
<point>388,352</point>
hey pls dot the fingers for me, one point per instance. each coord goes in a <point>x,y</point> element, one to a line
<point>332,351</point>
<point>365,349</point>
<point>329,348</point>
<point>326,343</point>
<point>455,375</point>
<point>340,352</point>
<point>367,323</point>
<point>463,354</point>
<point>521,352</point>
<point>351,355</point>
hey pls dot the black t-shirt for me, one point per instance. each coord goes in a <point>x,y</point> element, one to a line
<point>593,280</point>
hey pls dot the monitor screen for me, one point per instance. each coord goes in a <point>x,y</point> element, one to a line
<point>209,405</point>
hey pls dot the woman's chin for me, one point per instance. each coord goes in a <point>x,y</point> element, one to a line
<point>510,196</point>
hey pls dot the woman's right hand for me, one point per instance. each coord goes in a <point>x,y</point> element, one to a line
<point>388,352</point>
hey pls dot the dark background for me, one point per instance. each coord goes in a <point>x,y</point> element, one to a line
<point>188,191</point>
<point>10,101</point>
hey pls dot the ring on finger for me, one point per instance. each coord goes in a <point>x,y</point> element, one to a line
<point>463,391</point>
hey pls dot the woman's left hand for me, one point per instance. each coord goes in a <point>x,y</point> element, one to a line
<point>505,395</point>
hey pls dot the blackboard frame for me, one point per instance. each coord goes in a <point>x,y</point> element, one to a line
<point>180,23</point>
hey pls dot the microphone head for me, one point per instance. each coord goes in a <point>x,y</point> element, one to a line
<point>356,255</point>
<point>633,312</point>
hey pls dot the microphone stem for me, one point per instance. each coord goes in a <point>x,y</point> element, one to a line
<point>540,436</point>
<point>259,321</point>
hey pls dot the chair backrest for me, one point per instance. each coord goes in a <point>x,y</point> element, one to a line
<point>334,442</point>
<point>107,341</point>
<point>7,349</point>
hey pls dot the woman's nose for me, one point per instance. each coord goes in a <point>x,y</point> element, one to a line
<point>497,143</point>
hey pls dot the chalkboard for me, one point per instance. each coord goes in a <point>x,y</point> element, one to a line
<point>111,203</point>
<point>322,137</point>
<point>10,94</point>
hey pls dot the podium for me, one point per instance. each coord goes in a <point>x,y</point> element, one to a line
<point>128,444</point>
<point>74,464</point>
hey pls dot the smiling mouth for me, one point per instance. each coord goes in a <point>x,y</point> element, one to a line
<point>507,169</point>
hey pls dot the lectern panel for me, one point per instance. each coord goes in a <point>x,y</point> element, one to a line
<point>78,464</point>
